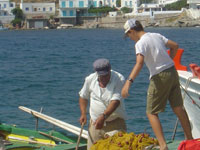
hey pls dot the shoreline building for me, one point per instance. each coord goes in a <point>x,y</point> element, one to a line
<point>37,14</point>
<point>195,4</point>
<point>69,10</point>
<point>194,8</point>
<point>6,15</point>
<point>134,4</point>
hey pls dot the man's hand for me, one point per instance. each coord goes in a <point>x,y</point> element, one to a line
<point>99,122</point>
<point>125,89</point>
<point>83,107</point>
<point>83,119</point>
<point>135,71</point>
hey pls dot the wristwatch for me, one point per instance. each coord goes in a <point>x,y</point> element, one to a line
<point>105,116</point>
<point>131,80</point>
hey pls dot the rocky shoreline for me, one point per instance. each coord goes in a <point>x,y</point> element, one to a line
<point>164,20</point>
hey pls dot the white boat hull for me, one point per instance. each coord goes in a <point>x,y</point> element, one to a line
<point>191,100</point>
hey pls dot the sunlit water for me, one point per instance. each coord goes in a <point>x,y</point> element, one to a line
<point>46,68</point>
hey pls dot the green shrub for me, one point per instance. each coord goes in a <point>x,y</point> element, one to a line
<point>19,17</point>
<point>104,9</point>
<point>126,10</point>
<point>16,22</point>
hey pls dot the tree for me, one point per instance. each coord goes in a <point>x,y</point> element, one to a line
<point>146,1</point>
<point>177,5</point>
<point>19,17</point>
<point>18,13</point>
<point>126,10</point>
<point>103,10</point>
<point>118,3</point>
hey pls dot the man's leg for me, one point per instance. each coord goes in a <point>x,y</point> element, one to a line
<point>157,128</point>
<point>183,118</point>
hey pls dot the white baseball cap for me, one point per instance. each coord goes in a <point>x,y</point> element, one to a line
<point>129,24</point>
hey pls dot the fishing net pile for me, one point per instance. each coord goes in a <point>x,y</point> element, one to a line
<point>125,141</point>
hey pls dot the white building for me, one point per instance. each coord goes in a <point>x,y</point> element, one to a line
<point>195,4</point>
<point>111,3</point>
<point>70,8</point>
<point>37,14</point>
<point>6,7</point>
<point>127,3</point>
<point>38,8</point>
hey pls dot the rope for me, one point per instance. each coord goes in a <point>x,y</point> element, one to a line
<point>186,92</point>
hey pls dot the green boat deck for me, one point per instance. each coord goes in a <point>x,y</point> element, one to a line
<point>173,145</point>
<point>28,146</point>
<point>21,145</point>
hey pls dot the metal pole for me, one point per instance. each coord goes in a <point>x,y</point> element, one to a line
<point>37,120</point>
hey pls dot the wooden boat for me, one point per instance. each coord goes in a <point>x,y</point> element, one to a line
<point>15,138</point>
<point>24,139</point>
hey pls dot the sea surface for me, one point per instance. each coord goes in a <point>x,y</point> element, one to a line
<point>46,69</point>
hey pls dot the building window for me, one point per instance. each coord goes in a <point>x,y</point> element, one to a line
<point>11,5</point>
<point>130,3</point>
<point>5,14</point>
<point>113,1</point>
<point>70,3</point>
<point>125,3</point>
<point>27,9</point>
<point>63,4</point>
<point>4,5</point>
<point>64,13</point>
<point>51,9</point>
<point>44,9</point>
<point>95,3</point>
<point>71,13</point>
<point>81,4</point>
<point>100,4</point>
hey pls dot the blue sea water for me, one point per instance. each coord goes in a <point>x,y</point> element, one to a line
<point>46,68</point>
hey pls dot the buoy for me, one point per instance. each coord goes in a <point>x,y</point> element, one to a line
<point>197,71</point>
<point>192,68</point>
<point>177,60</point>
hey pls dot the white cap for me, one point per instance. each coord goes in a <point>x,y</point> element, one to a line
<point>129,24</point>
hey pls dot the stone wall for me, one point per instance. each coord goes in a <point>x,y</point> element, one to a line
<point>162,20</point>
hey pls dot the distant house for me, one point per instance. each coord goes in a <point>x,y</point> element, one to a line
<point>195,4</point>
<point>6,7</point>
<point>149,8</point>
<point>37,14</point>
<point>131,4</point>
<point>127,3</point>
<point>69,10</point>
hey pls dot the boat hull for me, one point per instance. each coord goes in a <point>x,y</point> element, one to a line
<point>191,95</point>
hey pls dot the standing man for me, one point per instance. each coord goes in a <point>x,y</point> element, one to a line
<point>107,112</point>
<point>164,82</point>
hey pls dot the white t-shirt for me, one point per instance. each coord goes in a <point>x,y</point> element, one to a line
<point>101,97</point>
<point>153,47</point>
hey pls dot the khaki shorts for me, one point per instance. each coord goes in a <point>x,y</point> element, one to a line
<point>164,86</point>
<point>96,134</point>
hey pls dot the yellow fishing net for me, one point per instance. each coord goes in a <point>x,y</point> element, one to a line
<point>125,141</point>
